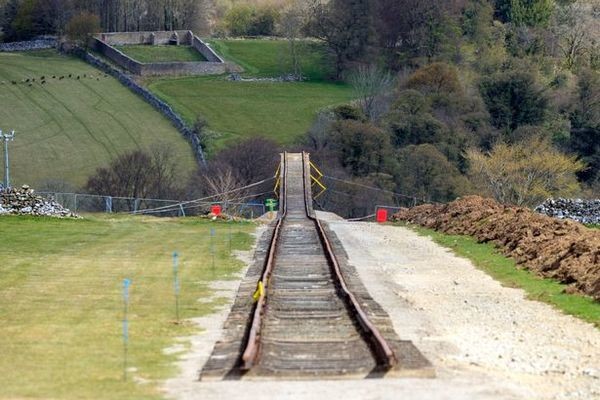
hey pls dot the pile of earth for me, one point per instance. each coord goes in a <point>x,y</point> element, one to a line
<point>559,249</point>
<point>23,201</point>
<point>584,211</point>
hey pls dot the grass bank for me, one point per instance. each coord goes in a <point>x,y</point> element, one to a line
<point>282,111</point>
<point>487,258</point>
<point>61,301</point>
<point>67,127</point>
<point>155,54</point>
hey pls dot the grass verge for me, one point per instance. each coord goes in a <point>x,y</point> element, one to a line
<point>68,127</point>
<point>487,258</point>
<point>156,54</point>
<point>61,303</point>
<point>238,110</point>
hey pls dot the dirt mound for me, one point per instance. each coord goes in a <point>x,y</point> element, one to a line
<point>559,249</point>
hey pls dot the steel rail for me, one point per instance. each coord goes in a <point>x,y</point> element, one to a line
<point>252,349</point>
<point>386,358</point>
<point>384,355</point>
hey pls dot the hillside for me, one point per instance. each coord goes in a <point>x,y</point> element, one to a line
<point>282,111</point>
<point>68,127</point>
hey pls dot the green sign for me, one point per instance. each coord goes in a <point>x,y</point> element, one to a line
<point>271,204</point>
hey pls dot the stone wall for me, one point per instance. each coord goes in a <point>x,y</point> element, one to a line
<point>152,38</point>
<point>116,56</point>
<point>214,65</point>
<point>150,98</point>
<point>584,211</point>
<point>187,68</point>
<point>205,50</point>
<point>37,44</point>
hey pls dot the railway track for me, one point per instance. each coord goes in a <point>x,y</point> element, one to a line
<point>306,322</point>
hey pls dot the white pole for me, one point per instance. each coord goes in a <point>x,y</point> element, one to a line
<point>6,138</point>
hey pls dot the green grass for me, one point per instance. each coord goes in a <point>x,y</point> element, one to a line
<point>487,258</point>
<point>157,54</point>
<point>67,128</point>
<point>61,300</point>
<point>593,226</point>
<point>237,110</point>
<point>270,58</point>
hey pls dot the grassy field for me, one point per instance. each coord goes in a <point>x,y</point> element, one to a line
<point>68,127</point>
<point>61,300</point>
<point>236,110</point>
<point>271,58</point>
<point>154,54</point>
<point>503,269</point>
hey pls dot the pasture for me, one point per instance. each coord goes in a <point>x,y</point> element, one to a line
<point>156,54</point>
<point>73,120</point>
<point>282,111</point>
<point>270,58</point>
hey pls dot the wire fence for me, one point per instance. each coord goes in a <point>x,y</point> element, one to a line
<point>91,203</point>
<point>357,201</point>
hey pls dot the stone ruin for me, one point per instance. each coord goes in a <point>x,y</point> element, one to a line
<point>583,211</point>
<point>23,201</point>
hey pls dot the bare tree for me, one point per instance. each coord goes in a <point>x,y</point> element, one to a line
<point>577,31</point>
<point>370,85</point>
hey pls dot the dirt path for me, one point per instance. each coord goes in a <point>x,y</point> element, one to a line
<point>485,341</point>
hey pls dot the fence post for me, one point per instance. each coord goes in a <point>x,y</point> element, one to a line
<point>136,203</point>
<point>181,211</point>
<point>75,202</point>
<point>108,201</point>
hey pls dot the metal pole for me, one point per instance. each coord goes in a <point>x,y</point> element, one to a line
<point>6,138</point>
<point>6,167</point>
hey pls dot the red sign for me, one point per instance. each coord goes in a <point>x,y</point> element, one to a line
<point>381,215</point>
<point>215,209</point>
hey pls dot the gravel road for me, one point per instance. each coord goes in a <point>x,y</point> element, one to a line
<point>484,340</point>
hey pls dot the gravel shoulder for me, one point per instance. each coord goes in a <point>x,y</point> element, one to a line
<point>484,340</point>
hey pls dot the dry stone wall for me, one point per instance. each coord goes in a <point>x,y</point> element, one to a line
<point>151,38</point>
<point>214,65</point>
<point>584,211</point>
<point>37,44</point>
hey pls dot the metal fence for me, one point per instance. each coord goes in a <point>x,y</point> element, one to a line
<point>81,203</point>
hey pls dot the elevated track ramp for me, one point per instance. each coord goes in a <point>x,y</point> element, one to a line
<point>302,312</point>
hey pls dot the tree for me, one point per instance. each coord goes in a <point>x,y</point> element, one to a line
<point>585,125</point>
<point>82,26</point>
<point>576,31</point>
<point>531,12</point>
<point>415,129</point>
<point>414,28</point>
<point>370,84</point>
<point>362,148</point>
<point>291,23</point>
<point>524,12</point>
<point>427,174</point>
<point>138,174</point>
<point>250,160</point>
<point>345,26</point>
<point>525,173</point>
<point>513,99</point>
<point>437,78</point>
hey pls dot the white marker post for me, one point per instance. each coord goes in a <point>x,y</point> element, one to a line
<point>176,283</point>
<point>212,246</point>
<point>126,284</point>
